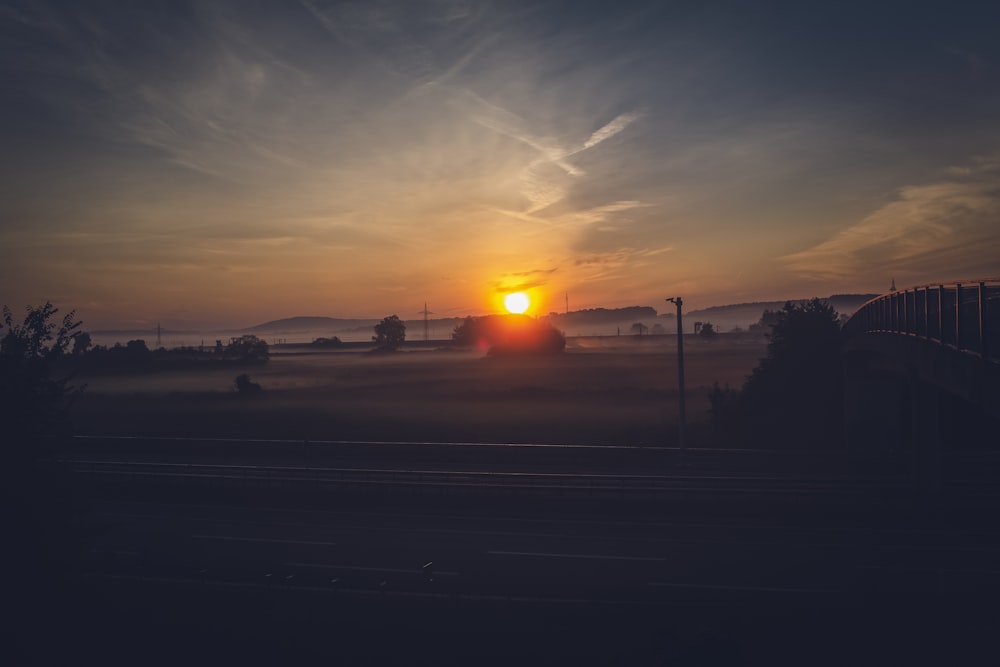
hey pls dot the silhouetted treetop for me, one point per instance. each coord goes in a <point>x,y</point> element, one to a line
<point>34,399</point>
<point>245,386</point>
<point>503,335</point>
<point>38,336</point>
<point>707,331</point>
<point>248,348</point>
<point>323,341</point>
<point>602,315</point>
<point>390,333</point>
<point>766,322</point>
<point>794,397</point>
<point>81,342</point>
<point>800,331</point>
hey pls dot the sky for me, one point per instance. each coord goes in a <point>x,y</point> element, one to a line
<point>210,164</point>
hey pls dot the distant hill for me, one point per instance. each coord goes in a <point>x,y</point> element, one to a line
<point>744,314</point>
<point>290,324</point>
<point>602,316</point>
<point>593,321</point>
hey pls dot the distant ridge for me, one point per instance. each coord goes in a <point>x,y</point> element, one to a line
<point>844,304</point>
<point>309,323</point>
<point>608,316</point>
<point>745,314</point>
<point>738,314</point>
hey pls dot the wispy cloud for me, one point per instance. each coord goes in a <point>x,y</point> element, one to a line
<point>542,187</point>
<point>523,280</point>
<point>308,148</point>
<point>615,263</point>
<point>611,129</point>
<point>938,230</point>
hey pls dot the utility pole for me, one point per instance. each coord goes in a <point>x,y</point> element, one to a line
<point>681,418</point>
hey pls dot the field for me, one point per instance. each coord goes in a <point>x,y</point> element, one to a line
<point>600,391</point>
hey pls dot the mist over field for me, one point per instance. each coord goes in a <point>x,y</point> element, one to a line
<point>587,323</point>
<point>600,391</point>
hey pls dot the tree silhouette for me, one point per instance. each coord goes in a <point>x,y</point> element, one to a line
<point>794,397</point>
<point>468,332</point>
<point>81,343</point>
<point>137,350</point>
<point>638,329</point>
<point>529,337</point>
<point>323,341</point>
<point>707,331</point>
<point>39,500</point>
<point>390,333</point>
<point>246,386</point>
<point>506,335</point>
<point>34,399</point>
<point>766,322</point>
<point>248,348</point>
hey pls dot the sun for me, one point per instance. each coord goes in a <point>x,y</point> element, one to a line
<point>516,302</point>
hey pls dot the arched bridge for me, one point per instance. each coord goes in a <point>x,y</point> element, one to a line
<point>922,374</point>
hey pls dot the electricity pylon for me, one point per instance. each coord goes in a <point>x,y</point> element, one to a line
<point>425,313</point>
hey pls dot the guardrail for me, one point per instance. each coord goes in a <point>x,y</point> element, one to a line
<point>962,314</point>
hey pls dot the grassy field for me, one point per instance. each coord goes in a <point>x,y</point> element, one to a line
<point>600,391</point>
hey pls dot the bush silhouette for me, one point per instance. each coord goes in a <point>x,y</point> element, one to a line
<point>34,397</point>
<point>794,397</point>
<point>244,385</point>
<point>248,348</point>
<point>505,335</point>
<point>327,342</point>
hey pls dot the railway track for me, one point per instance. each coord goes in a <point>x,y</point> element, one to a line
<point>471,481</point>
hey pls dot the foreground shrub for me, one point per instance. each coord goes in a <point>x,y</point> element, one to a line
<point>245,386</point>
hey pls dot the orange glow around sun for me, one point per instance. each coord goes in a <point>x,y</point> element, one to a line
<point>516,302</point>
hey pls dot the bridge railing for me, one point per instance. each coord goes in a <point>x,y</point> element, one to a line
<point>963,314</point>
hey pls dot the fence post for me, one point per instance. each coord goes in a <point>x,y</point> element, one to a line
<point>941,314</point>
<point>958,315</point>
<point>906,311</point>
<point>927,317</point>
<point>982,320</point>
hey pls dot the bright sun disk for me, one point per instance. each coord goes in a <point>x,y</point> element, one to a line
<point>516,302</point>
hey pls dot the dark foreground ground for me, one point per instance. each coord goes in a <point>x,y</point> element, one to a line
<point>752,569</point>
<point>125,622</point>
<point>292,527</point>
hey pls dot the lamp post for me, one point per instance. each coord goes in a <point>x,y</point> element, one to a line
<point>681,418</point>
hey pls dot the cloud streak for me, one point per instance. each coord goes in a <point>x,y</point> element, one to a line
<point>435,150</point>
<point>919,234</point>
